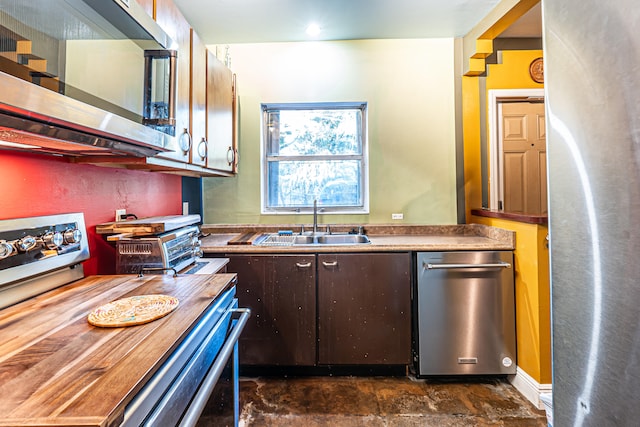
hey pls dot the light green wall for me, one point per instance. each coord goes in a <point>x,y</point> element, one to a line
<point>409,87</point>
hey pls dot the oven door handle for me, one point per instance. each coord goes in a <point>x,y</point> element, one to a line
<point>199,401</point>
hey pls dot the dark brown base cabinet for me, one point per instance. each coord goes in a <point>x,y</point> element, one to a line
<point>363,304</point>
<point>364,309</point>
<point>281,293</point>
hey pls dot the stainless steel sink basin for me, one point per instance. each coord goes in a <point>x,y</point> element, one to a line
<point>284,240</point>
<point>303,240</point>
<point>342,239</point>
<point>300,240</point>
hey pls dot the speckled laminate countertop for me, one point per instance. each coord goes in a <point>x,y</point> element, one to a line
<point>384,238</point>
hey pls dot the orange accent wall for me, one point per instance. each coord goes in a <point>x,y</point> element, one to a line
<point>34,185</point>
<point>472,144</point>
<point>531,256</point>
<point>513,71</point>
<point>533,296</point>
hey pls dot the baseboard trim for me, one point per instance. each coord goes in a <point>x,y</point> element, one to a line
<point>529,387</point>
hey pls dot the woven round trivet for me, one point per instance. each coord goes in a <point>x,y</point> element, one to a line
<point>132,311</point>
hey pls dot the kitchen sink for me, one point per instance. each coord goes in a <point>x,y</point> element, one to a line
<point>303,240</point>
<point>309,239</point>
<point>342,239</point>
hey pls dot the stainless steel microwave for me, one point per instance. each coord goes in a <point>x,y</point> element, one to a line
<point>85,77</point>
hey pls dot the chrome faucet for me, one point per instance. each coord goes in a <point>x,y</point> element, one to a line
<point>315,216</point>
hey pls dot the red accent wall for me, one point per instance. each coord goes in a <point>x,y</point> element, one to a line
<point>34,185</point>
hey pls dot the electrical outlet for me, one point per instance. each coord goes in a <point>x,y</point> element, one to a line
<point>119,213</point>
<point>397,216</point>
<point>185,208</point>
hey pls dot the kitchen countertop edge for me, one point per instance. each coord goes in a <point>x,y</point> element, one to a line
<point>541,219</point>
<point>384,238</point>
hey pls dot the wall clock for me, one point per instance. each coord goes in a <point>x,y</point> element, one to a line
<point>536,70</point>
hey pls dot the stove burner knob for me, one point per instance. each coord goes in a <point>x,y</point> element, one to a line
<point>53,239</point>
<point>6,249</point>
<point>72,235</point>
<point>26,243</point>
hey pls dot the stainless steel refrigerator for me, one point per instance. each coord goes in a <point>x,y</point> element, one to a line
<point>592,83</point>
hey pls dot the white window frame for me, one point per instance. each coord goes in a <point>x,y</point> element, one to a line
<point>364,157</point>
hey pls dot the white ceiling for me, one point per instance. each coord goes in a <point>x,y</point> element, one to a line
<point>259,21</point>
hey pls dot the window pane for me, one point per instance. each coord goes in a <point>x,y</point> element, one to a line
<point>314,132</point>
<point>332,183</point>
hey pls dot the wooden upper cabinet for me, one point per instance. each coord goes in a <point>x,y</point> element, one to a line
<point>205,140</point>
<point>221,116</point>
<point>169,17</point>
<point>147,5</point>
<point>198,100</point>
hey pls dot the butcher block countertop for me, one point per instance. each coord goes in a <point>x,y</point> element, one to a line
<point>225,239</point>
<point>58,370</point>
<point>147,226</point>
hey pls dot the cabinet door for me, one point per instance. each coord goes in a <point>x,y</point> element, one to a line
<point>364,309</point>
<point>147,5</point>
<point>198,100</point>
<point>281,293</point>
<point>221,116</point>
<point>169,17</point>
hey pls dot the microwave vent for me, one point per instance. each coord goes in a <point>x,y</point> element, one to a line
<point>135,248</point>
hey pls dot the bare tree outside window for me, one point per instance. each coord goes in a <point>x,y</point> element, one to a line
<point>315,152</point>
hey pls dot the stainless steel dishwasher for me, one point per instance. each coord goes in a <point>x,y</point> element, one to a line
<point>465,307</point>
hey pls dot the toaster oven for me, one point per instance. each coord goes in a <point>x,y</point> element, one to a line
<point>170,251</point>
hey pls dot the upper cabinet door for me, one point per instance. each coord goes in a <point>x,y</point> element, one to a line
<point>169,17</point>
<point>199,153</point>
<point>147,5</point>
<point>221,116</point>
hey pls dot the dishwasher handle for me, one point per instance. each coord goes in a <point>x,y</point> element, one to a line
<point>429,266</point>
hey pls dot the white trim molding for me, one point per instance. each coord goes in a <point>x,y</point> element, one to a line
<point>528,387</point>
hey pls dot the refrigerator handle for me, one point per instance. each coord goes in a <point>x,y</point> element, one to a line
<point>429,266</point>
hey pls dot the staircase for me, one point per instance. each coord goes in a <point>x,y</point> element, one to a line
<point>17,59</point>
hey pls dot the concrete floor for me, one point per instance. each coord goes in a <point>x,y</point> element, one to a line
<point>383,401</point>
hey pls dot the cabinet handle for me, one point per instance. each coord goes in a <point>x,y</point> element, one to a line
<point>303,264</point>
<point>233,86</point>
<point>231,156</point>
<point>330,263</point>
<point>203,149</point>
<point>184,141</point>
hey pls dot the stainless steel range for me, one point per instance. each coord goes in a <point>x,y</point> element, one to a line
<point>41,277</point>
<point>40,253</point>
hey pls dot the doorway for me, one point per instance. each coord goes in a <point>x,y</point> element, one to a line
<point>518,171</point>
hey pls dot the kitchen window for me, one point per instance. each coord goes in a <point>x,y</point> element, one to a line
<point>314,152</point>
